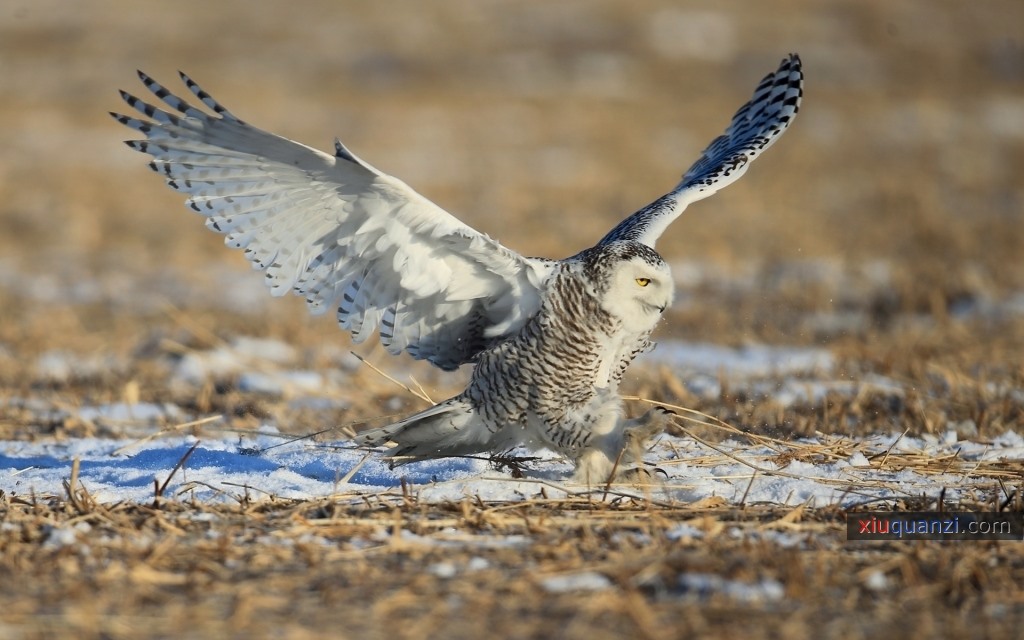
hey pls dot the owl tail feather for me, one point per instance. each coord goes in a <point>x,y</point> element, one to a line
<point>451,428</point>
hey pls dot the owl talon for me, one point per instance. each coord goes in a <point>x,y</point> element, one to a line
<point>640,475</point>
<point>640,430</point>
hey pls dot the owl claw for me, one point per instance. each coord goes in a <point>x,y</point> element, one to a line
<point>641,475</point>
<point>642,429</point>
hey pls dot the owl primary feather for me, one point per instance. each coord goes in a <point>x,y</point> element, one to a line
<point>549,339</point>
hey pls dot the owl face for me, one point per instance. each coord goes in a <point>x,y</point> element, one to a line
<point>639,291</point>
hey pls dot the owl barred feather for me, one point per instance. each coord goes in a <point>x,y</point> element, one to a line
<point>550,340</point>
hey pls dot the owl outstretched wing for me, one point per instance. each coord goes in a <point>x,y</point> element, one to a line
<point>340,233</point>
<point>754,128</point>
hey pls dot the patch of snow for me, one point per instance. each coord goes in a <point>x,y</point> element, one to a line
<point>784,539</point>
<point>256,361</point>
<point>742,362</point>
<point>876,581</point>
<point>1011,439</point>
<point>41,410</point>
<point>63,366</point>
<point>793,392</point>
<point>226,465</point>
<point>281,383</point>
<point>857,459</point>
<point>314,403</point>
<point>443,569</point>
<point>1008,446</point>
<point>125,412</point>
<point>684,531</point>
<point>581,581</point>
<point>476,563</point>
<point>837,323</point>
<point>267,349</point>
<point>705,585</point>
<point>198,366</point>
<point>64,536</point>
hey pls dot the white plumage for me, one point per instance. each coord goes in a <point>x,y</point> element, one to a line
<point>550,339</point>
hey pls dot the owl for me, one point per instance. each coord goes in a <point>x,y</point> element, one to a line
<point>549,340</point>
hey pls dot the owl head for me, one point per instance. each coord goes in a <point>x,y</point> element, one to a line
<point>632,281</point>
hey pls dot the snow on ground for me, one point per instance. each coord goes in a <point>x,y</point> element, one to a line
<point>227,465</point>
<point>787,375</point>
<point>748,361</point>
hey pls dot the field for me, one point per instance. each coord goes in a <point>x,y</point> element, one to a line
<point>848,333</point>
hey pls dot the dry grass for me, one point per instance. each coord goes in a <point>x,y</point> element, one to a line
<point>396,568</point>
<point>541,123</point>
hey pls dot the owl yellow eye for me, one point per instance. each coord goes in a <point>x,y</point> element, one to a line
<point>643,282</point>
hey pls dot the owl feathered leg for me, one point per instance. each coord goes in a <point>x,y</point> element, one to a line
<point>596,462</point>
<point>638,432</point>
<point>451,428</point>
<point>620,447</point>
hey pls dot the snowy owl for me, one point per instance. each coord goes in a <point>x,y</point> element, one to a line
<point>550,339</point>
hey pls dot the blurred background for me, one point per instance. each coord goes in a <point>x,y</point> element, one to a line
<point>896,200</point>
